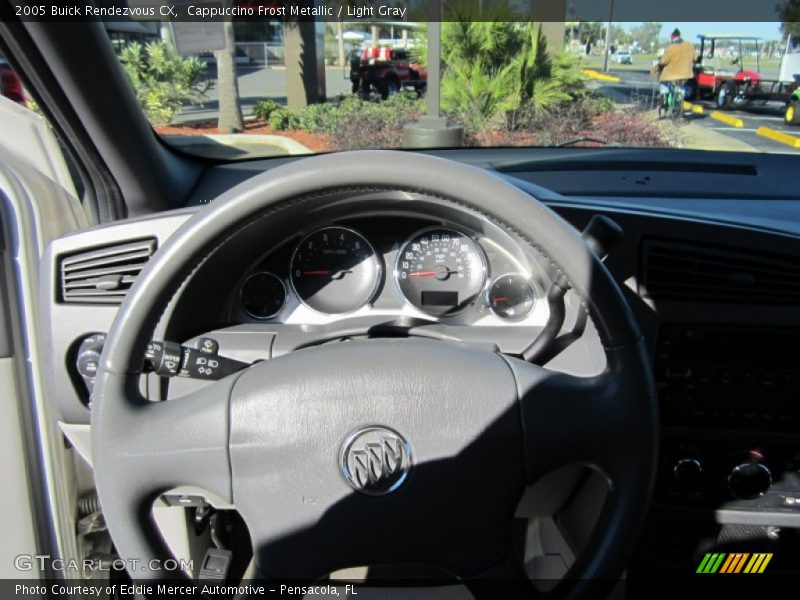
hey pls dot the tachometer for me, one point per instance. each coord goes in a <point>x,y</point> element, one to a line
<point>335,270</point>
<point>440,271</point>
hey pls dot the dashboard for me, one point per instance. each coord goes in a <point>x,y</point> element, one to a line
<point>713,281</point>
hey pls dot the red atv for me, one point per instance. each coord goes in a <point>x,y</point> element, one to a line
<point>386,72</point>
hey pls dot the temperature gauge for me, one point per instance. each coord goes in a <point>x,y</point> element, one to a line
<point>511,296</point>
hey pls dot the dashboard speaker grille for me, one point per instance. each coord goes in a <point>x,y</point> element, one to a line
<point>104,275</point>
<point>673,270</point>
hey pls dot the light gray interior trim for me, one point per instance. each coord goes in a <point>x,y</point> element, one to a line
<point>34,211</point>
<point>6,346</point>
<point>19,532</point>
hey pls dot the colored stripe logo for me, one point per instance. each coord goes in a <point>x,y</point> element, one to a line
<point>735,562</point>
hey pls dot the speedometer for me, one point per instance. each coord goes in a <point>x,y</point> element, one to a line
<point>335,270</point>
<point>440,271</point>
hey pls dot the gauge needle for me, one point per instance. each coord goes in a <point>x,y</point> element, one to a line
<point>319,272</point>
<point>422,274</point>
<point>499,298</point>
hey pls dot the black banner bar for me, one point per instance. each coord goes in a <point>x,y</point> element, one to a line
<point>621,11</point>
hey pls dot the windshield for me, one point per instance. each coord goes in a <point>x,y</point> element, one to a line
<point>243,86</point>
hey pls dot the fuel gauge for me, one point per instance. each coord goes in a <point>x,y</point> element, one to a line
<point>511,296</point>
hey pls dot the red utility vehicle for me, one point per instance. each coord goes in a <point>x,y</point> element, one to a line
<point>385,71</point>
<point>721,74</point>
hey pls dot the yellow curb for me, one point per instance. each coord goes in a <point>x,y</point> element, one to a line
<point>695,108</point>
<point>601,76</point>
<point>727,119</point>
<point>779,136</point>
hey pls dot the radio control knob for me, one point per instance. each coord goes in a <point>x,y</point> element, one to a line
<point>688,473</point>
<point>749,480</point>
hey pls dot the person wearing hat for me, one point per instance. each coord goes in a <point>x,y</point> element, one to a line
<point>677,62</point>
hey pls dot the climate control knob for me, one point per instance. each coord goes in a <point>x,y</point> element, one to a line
<point>749,480</point>
<point>689,474</point>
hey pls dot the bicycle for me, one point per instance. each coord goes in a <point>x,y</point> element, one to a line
<point>671,98</point>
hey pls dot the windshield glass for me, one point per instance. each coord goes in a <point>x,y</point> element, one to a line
<point>240,83</point>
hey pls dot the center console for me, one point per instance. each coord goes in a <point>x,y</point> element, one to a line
<point>730,408</point>
<point>729,466</point>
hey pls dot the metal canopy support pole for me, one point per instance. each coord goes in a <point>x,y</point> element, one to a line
<point>608,34</point>
<point>434,71</point>
<point>432,130</point>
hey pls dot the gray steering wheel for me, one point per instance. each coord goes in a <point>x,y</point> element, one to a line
<point>446,436</point>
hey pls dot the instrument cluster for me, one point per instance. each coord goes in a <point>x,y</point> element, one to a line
<point>438,271</point>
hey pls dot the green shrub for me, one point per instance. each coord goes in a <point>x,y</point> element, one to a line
<point>162,80</point>
<point>282,119</point>
<point>321,117</point>
<point>405,99</point>
<point>355,123</point>
<point>603,104</point>
<point>264,108</point>
<point>363,124</point>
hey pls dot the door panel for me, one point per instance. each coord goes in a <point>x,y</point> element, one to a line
<point>37,475</point>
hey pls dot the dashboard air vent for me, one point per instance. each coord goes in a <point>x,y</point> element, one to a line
<point>703,273</point>
<point>104,275</point>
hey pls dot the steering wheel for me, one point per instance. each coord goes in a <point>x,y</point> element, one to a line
<point>386,450</point>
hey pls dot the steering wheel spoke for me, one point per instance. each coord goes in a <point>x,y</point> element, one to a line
<point>597,421</point>
<point>177,443</point>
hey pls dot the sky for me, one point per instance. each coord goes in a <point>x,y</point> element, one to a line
<point>690,30</point>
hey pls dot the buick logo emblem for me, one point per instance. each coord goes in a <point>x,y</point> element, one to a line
<point>375,460</point>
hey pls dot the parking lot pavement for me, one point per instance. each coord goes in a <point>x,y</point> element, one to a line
<point>259,83</point>
<point>640,87</point>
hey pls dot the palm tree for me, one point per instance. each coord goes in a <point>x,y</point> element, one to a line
<point>494,72</point>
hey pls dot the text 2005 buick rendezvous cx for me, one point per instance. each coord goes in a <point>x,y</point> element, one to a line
<point>509,334</point>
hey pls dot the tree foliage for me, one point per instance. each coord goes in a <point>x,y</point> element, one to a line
<point>620,35</point>
<point>162,80</point>
<point>789,14</point>
<point>647,34</point>
<point>589,33</point>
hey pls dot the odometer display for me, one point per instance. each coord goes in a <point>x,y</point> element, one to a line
<point>440,271</point>
<point>335,270</point>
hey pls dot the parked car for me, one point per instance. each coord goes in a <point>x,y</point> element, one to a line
<point>623,58</point>
<point>10,84</point>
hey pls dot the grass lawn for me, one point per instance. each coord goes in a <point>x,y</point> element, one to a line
<point>641,62</point>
